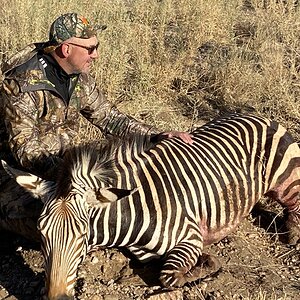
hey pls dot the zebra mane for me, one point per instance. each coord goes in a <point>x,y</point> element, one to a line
<point>96,160</point>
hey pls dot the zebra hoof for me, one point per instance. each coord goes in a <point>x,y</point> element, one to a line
<point>173,278</point>
<point>207,265</point>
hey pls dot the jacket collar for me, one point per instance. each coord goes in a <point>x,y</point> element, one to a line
<point>26,66</point>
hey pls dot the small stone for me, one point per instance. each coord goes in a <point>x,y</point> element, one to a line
<point>96,297</point>
<point>110,282</point>
<point>111,297</point>
<point>3,293</point>
<point>82,273</point>
<point>94,260</point>
<point>11,298</point>
<point>167,295</point>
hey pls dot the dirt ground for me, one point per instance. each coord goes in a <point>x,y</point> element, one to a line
<point>256,264</point>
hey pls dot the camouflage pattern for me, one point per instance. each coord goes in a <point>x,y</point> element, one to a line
<point>71,25</point>
<point>39,123</point>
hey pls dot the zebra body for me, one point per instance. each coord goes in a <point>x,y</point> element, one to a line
<point>169,200</point>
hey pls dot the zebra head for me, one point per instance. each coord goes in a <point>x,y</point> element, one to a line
<point>64,229</point>
<point>63,224</point>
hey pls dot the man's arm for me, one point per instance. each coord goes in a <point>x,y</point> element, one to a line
<point>29,137</point>
<point>111,121</point>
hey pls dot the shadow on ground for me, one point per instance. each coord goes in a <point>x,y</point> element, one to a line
<point>16,277</point>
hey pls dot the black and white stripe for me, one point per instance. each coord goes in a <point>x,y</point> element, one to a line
<point>171,198</point>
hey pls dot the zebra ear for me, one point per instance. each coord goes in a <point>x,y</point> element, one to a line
<point>104,196</point>
<point>35,185</point>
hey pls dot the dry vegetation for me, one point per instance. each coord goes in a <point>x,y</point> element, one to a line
<point>176,63</point>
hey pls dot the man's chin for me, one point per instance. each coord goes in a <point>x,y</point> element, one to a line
<point>86,70</point>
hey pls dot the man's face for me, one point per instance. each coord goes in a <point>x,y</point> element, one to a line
<point>81,54</point>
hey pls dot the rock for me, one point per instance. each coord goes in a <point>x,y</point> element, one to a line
<point>96,297</point>
<point>111,297</point>
<point>167,295</point>
<point>3,293</point>
<point>94,260</point>
<point>11,298</point>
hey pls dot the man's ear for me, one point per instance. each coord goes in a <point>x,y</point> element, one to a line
<point>35,185</point>
<point>64,50</point>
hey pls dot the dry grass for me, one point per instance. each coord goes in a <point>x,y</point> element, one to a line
<point>174,63</point>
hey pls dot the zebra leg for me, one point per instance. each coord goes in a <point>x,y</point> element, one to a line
<point>291,199</point>
<point>293,226</point>
<point>287,193</point>
<point>186,263</point>
<point>293,221</point>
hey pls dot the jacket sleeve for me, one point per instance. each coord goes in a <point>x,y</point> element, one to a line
<point>107,117</point>
<point>30,139</point>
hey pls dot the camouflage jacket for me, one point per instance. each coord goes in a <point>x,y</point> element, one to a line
<point>38,121</point>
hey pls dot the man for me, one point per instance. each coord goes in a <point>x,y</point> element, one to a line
<point>47,86</point>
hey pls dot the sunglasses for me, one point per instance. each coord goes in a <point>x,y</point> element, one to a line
<point>90,49</point>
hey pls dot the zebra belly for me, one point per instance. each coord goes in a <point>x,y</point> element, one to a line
<point>231,213</point>
<point>214,235</point>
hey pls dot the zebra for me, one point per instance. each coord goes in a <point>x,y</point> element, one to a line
<point>165,200</point>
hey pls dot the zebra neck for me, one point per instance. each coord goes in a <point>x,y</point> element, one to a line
<point>120,223</point>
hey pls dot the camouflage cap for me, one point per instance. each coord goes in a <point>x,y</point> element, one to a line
<point>72,25</point>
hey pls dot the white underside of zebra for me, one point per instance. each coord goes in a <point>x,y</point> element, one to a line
<point>165,201</point>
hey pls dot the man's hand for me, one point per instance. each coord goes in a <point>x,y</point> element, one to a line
<point>184,136</point>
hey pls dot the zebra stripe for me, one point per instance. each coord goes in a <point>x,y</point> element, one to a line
<point>169,199</point>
